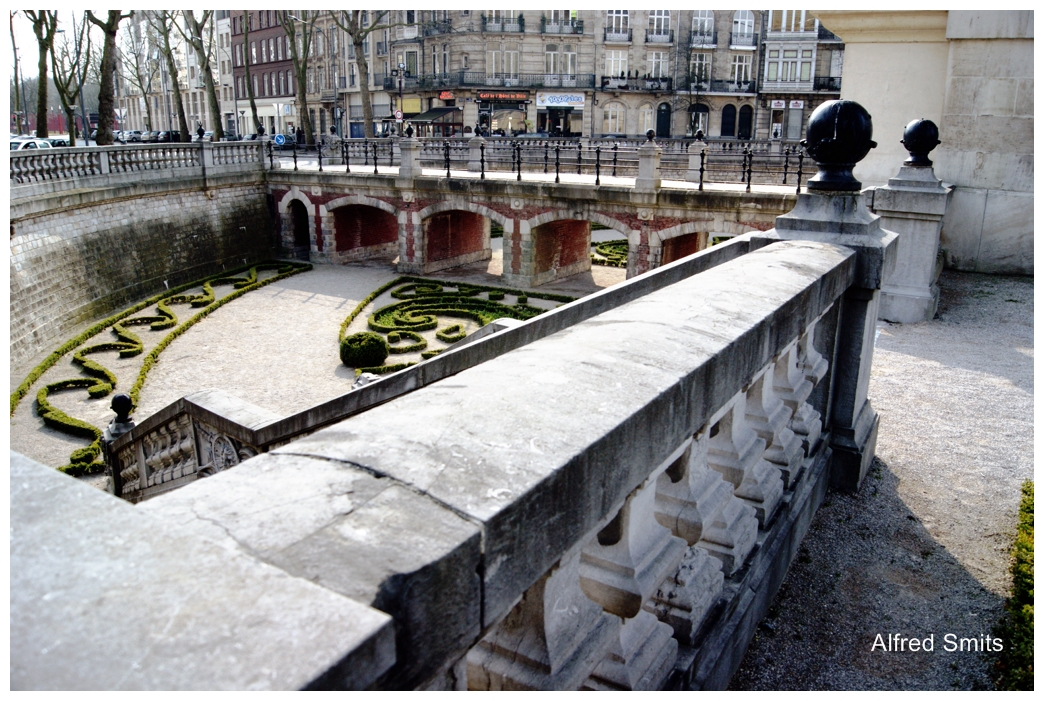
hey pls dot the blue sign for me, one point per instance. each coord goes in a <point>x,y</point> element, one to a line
<point>280,139</point>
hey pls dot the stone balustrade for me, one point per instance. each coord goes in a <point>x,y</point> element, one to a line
<point>558,516</point>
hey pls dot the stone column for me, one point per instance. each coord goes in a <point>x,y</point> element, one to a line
<point>648,179</point>
<point>475,153</point>
<point>833,211</point>
<point>912,205</point>
<point>695,149</point>
<point>409,163</point>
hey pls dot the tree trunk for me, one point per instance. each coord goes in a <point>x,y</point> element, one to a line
<point>196,40</point>
<point>17,81</point>
<point>71,120</point>
<point>43,26</point>
<point>364,86</point>
<point>302,101</point>
<point>106,93</point>
<point>246,65</point>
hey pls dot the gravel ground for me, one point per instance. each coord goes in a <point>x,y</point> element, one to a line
<point>922,548</point>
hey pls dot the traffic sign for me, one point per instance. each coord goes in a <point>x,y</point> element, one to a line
<point>398,115</point>
<point>280,139</point>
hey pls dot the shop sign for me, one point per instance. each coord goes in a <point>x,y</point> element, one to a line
<point>550,99</point>
<point>445,95</point>
<point>797,104</point>
<point>779,104</point>
<point>503,96</point>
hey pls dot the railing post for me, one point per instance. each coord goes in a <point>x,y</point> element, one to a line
<point>616,147</point>
<point>366,152</point>
<point>801,161</point>
<point>409,162</point>
<point>375,158</point>
<point>482,160</point>
<point>319,150</point>
<point>344,150</point>
<point>295,151</point>
<point>832,211</point>
<point>648,179</point>
<point>446,147</point>
<point>749,160</point>
<point>103,161</point>
<point>518,159</point>
<point>547,148</point>
<point>475,145</point>
<point>558,150</point>
<point>579,156</point>
<point>703,158</point>
<point>786,163</point>
<point>598,165</point>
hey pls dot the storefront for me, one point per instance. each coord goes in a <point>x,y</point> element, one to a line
<point>560,114</point>
<point>439,121</point>
<point>786,119</point>
<point>503,113</point>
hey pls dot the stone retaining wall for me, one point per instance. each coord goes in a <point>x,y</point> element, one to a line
<point>86,256</point>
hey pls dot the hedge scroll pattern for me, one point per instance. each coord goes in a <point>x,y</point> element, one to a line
<point>611,253</point>
<point>100,381</point>
<point>423,305</point>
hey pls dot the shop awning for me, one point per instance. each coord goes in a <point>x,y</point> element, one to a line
<point>437,114</point>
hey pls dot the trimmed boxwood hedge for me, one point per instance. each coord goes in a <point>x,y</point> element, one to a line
<point>422,301</point>
<point>611,253</point>
<point>363,349</point>
<point>419,342</point>
<point>101,381</point>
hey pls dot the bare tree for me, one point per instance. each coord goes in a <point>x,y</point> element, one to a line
<point>246,64</point>
<point>357,26</point>
<point>70,64</point>
<point>140,70</point>
<point>161,22</point>
<point>300,48</point>
<point>194,37</point>
<point>44,26</point>
<point>17,81</point>
<point>106,94</point>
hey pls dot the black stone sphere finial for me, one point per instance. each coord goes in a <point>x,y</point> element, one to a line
<point>409,131</point>
<point>123,406</point>
<point>650,135</point>
<point>838,137</point>
<point>919,138</point>
<point>699,135</point>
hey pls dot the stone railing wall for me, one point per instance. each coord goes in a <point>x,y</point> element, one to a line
<point>615,540</point>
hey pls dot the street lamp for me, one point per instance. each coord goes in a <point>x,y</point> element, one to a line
<point>400,73</point>
<point>235,108</point>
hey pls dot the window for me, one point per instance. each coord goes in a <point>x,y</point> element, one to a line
<point>700,67</point>
<point>698,119</point>
<point>703,24</point>
<point>411,17</point>
<point>351,75</point>
<point>659,22</point>
<point>253,52</point>
<point>239,54</point>
<point>445,58</point>
<point>616,63</point>
<point>658,64</point>
<point>511,61</point>
<point>282,83</point>
<point>568,66</point>
<point>286,42</point>
<point>254,81</point>
<point>319,44</point>
<point>434,60</point>
<point>806,66</point>
<point>645,119</point>
<point>311,80</point>
<point>279,50</point>
<point>728,120</point>
<point>561,16</point>
<point>271,49</point>
<point>411,62</point>
<point>264,52</point>
<point>551,59</point>
<point>613,119</point>
<point>746,119</point>
<point>740,72</point>
<point>616,22</point>
<point>791,21</point>
<point>742,24</point>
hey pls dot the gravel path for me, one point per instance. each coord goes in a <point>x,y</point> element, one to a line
<point>922,549</point>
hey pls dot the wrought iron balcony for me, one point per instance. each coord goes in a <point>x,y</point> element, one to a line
<point>642,84</point>
<point>617,36</point>
<point>743,39</point>
<point>746,86</point>
<point>828,83</point>
<point>708,39</point>
<point>439,26</point>
<point>666,38</point>
<point>517,25</point>
<point>491,80</point>
<point>570,27</point>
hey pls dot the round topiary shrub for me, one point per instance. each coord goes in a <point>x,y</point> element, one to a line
<point>365,349</point>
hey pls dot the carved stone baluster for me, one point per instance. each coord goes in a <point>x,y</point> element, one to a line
<point>552,639</point>
<point>769,417</point>
<point>620,570</point>
<point>699,507</point>
<point>810,361</point>
<point>735,451</point>
<point>794,388</point>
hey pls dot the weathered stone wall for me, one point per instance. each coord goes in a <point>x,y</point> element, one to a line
<point>82,259</point>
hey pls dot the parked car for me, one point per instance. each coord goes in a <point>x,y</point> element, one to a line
<point>133,136</point>
<point>149,137</point>
<point>166,137</point>
<point>26,144</point>
<point>57,142</point>
<point>207,136</point>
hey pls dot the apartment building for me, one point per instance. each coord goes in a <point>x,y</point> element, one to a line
<point>272,80</point>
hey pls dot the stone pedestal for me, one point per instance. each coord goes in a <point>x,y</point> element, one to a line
<point>409,165</point>
<point>475,153</point>
<point>912,205</point>
<point>693,173</point>
<point>648,179</point>
<point>842,218</point>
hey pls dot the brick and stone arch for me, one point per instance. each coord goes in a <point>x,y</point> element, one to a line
<point>294,209</point>
<point>455,233</point>
<point>363,227</point>
<point>676,242</point>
